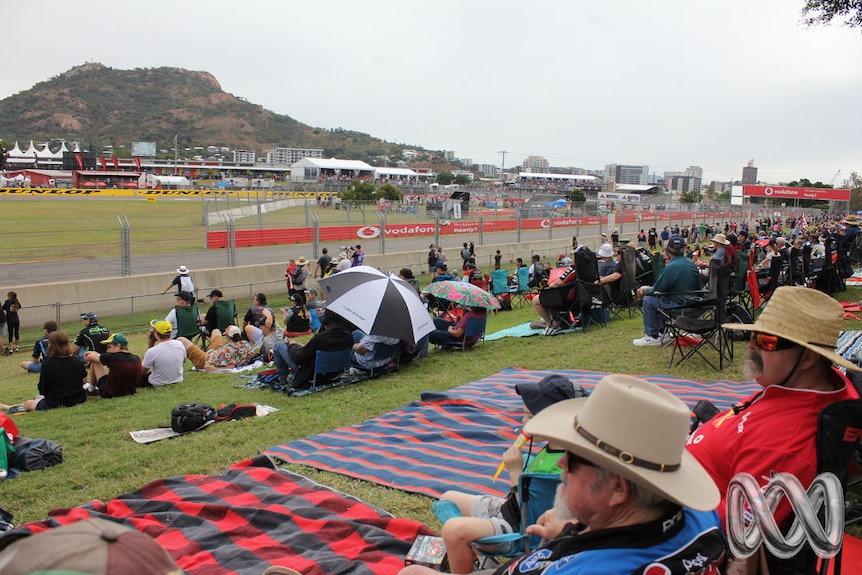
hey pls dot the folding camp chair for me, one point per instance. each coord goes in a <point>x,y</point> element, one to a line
<point>188,325</point>
<point>519,296</point>
<point>330,365</point>
<point>621,293</point>
<point>225,314</point>
<point>500,287</point>
<point>739,281</point>
<point>695,325</point>
<point>381,351</point>
<point>474,330</point>
<point>590,295</point>
<point>536,493</point>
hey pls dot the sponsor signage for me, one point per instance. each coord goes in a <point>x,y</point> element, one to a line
<point>614,197</point>
<point>785,192</point>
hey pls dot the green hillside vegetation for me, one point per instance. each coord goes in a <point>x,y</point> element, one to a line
<point>99,106</point>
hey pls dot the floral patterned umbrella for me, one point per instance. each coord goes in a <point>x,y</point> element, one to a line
<point>463,293</point>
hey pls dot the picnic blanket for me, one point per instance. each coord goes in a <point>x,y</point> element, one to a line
<point>455,439</point>
<point>522,330</point>
<point>254,516</point>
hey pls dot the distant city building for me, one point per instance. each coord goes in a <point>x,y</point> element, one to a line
<point>749,174</point>
<point>291,155</point>
<point>449,155</point>
<point>488,170</point>
<point>466,162</point>
<point>720,187</point>
<point>409,154</point>
<point>623,174</point>
<point>244,156</point>
<point>694,172</point>
<point>535,165</point>
<point>469,175</point>
<point>683,183</point>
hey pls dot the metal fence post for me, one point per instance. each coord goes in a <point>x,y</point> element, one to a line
<point>315,234</point>
<point>481,229</point>
<point>259,212</point>
<point>551,224</point>
<point>231,242</point>
<point>125,247</point>
<point>305,205</point>
<point>518,211</point>
<point>382,217</point>
<point>436,217</point>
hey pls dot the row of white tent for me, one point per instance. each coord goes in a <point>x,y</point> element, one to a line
<point>18,156</point>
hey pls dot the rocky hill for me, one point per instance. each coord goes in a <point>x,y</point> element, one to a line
<point>99,106</point>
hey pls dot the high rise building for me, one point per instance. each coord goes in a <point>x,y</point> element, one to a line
<point>749,174</point>
<point>291,155</point>
<point>535,165</point>
<point>622,174</point>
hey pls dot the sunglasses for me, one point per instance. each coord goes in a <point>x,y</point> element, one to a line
<point>768,342</point>
<point>574,461</point>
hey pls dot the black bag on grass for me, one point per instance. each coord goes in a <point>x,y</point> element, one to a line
<point>32,454</point>
<point>191,416</point>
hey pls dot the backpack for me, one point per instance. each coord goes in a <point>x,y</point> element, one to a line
<point>299,275</point>
<point>736,313</point>
<point>33,454</point>
<point>189,417</point>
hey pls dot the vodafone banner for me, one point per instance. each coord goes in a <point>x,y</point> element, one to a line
<point>794,193</point>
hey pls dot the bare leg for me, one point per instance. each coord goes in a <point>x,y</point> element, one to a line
<point>464,501</point>
<point>458,534</point>
<point>543,313</point>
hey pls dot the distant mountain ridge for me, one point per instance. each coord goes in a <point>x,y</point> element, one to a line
<point>98,106</point>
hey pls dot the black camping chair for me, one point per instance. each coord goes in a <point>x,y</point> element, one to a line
<point>591,297</point>
<point>695,326</point>
<point>739,291</point>
<point>621,293</point>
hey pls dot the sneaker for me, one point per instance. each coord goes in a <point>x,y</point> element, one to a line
<point>647,341</point>
<point>666,337</point>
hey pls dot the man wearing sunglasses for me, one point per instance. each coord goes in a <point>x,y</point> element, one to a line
<point>791,355</point>
<point>643,504</point>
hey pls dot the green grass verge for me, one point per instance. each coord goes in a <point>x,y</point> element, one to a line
<point>102,461</point>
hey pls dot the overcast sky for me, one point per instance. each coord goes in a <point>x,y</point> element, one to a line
<point>666,83</point>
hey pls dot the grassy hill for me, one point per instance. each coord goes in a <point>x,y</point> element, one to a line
<point>98,106</point>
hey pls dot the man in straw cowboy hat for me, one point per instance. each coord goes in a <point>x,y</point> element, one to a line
<point>642,503</point>
<point>791,355</point>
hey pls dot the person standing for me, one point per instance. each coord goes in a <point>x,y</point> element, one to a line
<point>183,281</point>
<point>498,258</point>
<point>298,276</point>
<point>322,263</point>
<point>432,258</point>
<point>358,256</point>
<point>13,322</point>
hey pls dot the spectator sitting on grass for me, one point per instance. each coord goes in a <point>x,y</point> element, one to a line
<point>40,349</point>
<point>115,372</point>
<point>163,361</point>
<point>220,355</point>
<point>61,379</point>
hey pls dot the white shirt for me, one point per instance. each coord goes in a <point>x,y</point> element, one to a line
<point>165,361</point>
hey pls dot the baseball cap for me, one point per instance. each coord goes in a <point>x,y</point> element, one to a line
<point>313,291</point>
<point>185,296</point>
<point>161,326</point>
<point>547,391</point>
<point>96,546</point>
<point>675,244</point>
<point>118,338</point>
<point>232,331</point>
<point>216,292</point>
<point>89,315</point>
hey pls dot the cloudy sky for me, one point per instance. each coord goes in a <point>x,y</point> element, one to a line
<point>666,83</point>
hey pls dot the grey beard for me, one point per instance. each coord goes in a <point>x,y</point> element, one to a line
<point>753,367</point>
<point>561,510</point>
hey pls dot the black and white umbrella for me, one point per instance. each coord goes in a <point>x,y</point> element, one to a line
<point>378,303</point>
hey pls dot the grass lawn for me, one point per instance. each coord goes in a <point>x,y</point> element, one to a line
<point>102,461</point>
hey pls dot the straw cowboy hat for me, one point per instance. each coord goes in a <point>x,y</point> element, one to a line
<point>807,317</point>
<point>635,429</point>
<point>850,220</point>
<point>301,261</point>
<point>721,239</point>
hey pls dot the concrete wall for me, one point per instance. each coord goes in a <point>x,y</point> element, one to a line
<point>128,295</point>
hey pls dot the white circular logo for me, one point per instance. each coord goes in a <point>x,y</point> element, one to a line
<point>767,191</point>
<point>546,223</point>
<point>368,232</point>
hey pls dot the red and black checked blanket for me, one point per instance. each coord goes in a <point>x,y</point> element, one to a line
<point>254,516</point>
<point>456,439</point>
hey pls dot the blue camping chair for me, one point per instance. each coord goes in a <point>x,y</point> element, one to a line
<point>329,365</point>
<point>523,288</point>
<point>500,285</point>
<point>536,493</point>
<point>475,328</point>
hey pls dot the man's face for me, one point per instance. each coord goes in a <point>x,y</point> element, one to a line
<point>770,367</point>
<point>112,347</point>
<point>182,303</point>
<point>214,298</point>
<point>585,497</point>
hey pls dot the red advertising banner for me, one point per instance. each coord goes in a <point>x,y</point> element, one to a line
<point>284,236</point>
<point>796,193</point>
